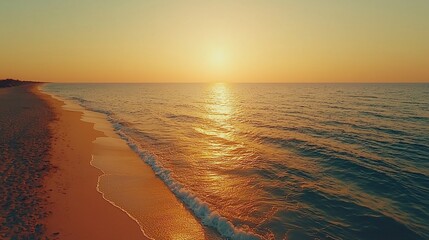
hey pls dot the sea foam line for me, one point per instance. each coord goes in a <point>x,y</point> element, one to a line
<point>66,102</point>
<point>113,203</point>
<point>200,209</point>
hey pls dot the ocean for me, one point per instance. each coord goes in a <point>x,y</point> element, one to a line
<point>281,161</point>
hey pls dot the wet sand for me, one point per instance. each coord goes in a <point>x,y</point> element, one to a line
<point>78,211</point>
<point>125,181</point>
<point>47,186</point>
<point>65,174</point>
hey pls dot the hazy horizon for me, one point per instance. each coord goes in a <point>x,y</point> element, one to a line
<point>223,41</point>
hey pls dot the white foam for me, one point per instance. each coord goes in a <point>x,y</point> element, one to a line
<point>199,208</point>
<point>113,203</point>
<point>72,106</point>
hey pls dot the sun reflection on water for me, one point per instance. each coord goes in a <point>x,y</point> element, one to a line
<point>220,140</point>
<point>219,104</point>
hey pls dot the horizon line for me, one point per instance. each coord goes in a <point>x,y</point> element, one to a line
<point>215,82</point>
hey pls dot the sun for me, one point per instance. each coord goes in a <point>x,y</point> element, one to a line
<point>219,64</point>
<point>218,59</point>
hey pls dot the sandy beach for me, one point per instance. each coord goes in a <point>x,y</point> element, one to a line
<point>78,211</point>
<point>68,175</point>
<point>25,142</point>
<point>48,186</point>
<point>114,177</point>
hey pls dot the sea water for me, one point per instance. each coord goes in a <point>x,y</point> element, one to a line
<point>276,161</point>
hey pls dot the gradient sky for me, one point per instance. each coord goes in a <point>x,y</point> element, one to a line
<point>227,41</point>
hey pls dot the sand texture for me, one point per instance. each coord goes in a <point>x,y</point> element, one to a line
<point>65,174</point>
<point>125,180</point>
<point>25,141</point>
<point>78,209</point>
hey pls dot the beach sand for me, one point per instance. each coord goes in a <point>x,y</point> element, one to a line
<point>125,183</point>
<point>66,174</point>
<point>78,211</point>
<point>25,141</point>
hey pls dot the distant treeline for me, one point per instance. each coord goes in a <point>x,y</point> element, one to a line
<point>12,83</point>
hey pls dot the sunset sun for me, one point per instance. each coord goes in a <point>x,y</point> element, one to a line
<point>219,59</point>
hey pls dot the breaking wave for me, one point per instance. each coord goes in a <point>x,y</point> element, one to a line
<point>200,209</point>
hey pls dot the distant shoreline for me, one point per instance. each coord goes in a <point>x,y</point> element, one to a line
<point>13,83</point>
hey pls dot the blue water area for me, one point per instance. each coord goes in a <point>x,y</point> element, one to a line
<point>294,161</point>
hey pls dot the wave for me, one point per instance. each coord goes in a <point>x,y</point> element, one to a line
<point>183,117</point>
<point>200,208</point>
<point>324,170</point>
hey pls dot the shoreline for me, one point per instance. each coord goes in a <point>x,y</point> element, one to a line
<point>125,182</point>
<point>78,211</point>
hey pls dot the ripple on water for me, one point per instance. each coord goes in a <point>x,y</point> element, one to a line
<point>302,161</point>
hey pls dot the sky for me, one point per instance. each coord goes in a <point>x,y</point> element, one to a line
<point>215,41</point>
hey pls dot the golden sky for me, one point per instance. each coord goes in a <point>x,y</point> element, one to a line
<point>226,41</point>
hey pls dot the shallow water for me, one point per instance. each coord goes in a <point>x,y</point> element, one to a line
<point>295,161</point>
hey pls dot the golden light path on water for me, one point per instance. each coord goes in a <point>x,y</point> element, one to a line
<point>219,149</point>
<point>219,107</point>
<point>281,161</point>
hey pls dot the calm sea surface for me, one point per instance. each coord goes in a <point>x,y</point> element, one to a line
<point>295,161</point>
